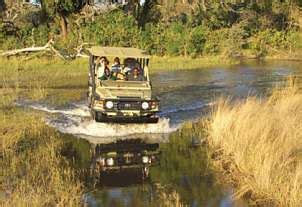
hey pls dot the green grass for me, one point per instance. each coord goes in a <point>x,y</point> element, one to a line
<point>158,64</point>
<point>54,81</point>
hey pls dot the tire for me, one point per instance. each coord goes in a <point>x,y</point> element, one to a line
<point>93,115</point>
<point>145,172</point>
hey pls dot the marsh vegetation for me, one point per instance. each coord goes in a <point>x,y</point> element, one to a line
<point>257,144</point>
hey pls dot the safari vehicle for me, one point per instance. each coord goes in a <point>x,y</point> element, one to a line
<point>121,100</point>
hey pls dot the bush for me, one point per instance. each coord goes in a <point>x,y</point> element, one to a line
<point>270,41</point>
<point>115,29</point>
<point>197,41</point>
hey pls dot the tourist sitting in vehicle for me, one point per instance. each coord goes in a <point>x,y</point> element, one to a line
<point>116,66</point>
<point>130,64</point>
<point>135,75</point>
<point>119,76</point>
<point>101,64</point>
<point>107,75</point>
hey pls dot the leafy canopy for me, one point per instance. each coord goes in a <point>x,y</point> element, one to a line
<point>63,7</point>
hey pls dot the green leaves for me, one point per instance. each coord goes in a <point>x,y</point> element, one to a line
<point>64,7</point>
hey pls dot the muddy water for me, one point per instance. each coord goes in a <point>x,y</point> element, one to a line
<point>185,96</point>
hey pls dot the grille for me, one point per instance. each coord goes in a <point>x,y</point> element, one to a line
<point>129,105</point>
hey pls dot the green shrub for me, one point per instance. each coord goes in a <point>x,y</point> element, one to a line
<point>197,41</point>
<point>271,41</point>
<point>115,29</point>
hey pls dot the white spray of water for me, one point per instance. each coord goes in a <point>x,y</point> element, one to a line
<point>78,110</point>
<point>75,120</point>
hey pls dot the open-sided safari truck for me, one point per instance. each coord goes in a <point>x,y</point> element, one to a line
<point>121,100</point>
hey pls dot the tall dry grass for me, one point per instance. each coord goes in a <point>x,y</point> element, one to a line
<point>258,143</point>
<point>33,171</point>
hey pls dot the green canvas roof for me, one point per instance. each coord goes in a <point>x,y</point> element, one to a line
<point>122,52</point>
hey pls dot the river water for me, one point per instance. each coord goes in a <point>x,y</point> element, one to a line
<point>185,96</point>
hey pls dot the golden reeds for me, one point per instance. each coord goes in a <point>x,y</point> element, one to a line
<point>33,172</point>
<point>261,142</point>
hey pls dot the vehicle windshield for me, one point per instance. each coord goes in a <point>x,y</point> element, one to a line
<point>130,70</point>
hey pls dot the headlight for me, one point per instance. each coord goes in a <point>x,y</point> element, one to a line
<point>145,159</point>
<point>109,104</point>
<point>154,104</point>
<point>145,105</point>
<point>110,161</point>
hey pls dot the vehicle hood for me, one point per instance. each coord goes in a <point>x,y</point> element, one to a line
<point>124,89</point>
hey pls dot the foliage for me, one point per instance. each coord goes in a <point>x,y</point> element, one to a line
<point>114,28</point>
<point>227,28</point>
<point>63,7</point>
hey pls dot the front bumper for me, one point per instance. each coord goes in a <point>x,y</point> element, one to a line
<point>123,167</point>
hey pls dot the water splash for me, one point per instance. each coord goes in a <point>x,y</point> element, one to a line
<point>79,126</point>
<point>76,120</point>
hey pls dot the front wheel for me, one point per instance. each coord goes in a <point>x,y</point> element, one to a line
<point>145,172</point>
<point>93,115</point>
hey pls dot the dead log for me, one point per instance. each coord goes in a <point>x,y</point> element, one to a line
<point>47,47</point>
<point>25,50</point>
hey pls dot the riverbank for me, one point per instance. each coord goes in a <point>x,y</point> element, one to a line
<point>256,144</point>
<point>157,63</point>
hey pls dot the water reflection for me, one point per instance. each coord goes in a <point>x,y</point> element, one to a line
<point>183,176</point>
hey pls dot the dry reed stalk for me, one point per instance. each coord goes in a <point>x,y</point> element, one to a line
<point>262,139</point>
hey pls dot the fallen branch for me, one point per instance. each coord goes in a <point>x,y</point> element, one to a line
<point>29,49</point>
<point>47,47</point>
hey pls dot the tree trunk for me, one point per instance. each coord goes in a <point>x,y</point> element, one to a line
<point>2,6</point>
<point>63,23</point>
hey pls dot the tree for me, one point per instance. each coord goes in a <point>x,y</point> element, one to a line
<point>2,6</point>
<point>62,9</point>
<point>147,12</point>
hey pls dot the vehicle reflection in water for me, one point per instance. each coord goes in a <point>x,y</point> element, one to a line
<point>182,176</point>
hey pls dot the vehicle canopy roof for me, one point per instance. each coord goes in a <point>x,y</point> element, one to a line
<point>122,52</point>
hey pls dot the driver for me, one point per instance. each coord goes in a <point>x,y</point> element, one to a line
<point>119,76</point>
<point>136,75</point>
